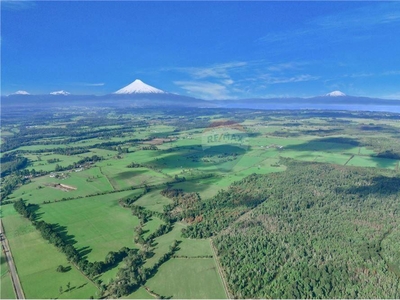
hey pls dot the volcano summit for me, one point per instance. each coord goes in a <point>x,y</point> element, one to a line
<point>139,87</point>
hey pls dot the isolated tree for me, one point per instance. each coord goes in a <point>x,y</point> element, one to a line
<point>68,286</point>
<point>61,289</point>
<point>60,269</point>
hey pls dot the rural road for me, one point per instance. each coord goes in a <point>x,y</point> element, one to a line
<point>220,271</point>
<point>10,261</point>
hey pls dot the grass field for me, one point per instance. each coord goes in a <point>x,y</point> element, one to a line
<point>6,288</point>
<point>153,200</point>
<point>375,162</point>
<point>97,224</point>
<point>193,278</point>
<point>36,262</point>
<point>121,177</point>
<point>151,226</point>
<point>192,248</point>
<point>203,186</point>
<point>140,293</point>
<point>87,182</point>
<point>163,242</point>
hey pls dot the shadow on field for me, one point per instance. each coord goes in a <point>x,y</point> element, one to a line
<point>383,162</point>
<point>379,129</point>
<point>63,233</point>
<point>81,286</point>
<point>322,132</point>
<point>129,174</point>
<point>193,157</point>
<point>84,251</point>
<point>380,185</point>
<point>71,289</point>
<point>67,269</point>
<point>326,144</point>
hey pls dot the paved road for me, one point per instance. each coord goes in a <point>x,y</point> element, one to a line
<point>10,261</point>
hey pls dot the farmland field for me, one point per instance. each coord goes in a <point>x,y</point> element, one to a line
<point>7,291</point>
<point>38,276</point>
<point>194,278</point>
<point>98,224</point>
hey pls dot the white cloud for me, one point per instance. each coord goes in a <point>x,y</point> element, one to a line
<point>230,80</point>
<point>206,90</point>
<point>298,78</point>
<point>17,4</point>
<point>392,96</point>
<point>95,84</point>
<point>214,71</point>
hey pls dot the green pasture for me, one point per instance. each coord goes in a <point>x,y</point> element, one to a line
<point>193,278</point>
<point>39,161</point>
<point>153,200</point>
<point>36,262</point>
<point>151,226</point>
<point>41,146</point>
<point>106,154</point>
<point>204,187</point>
<point>194,247</point>
<point>163,242</point>
<point>360,151</point>
<point>375,162</point>
<point>109,275</point>
<point>94,141</point>
<point>6,133</point>
<point>98,224</point>
<point>122,177</point>
<point>86,182</point>
<point>140,293</point>
<point>319,156</point>
<point>139,156</point>
<point>6,287</point>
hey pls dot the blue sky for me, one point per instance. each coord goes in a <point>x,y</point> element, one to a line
<point>210,50</point>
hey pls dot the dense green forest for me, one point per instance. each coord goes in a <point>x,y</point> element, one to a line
<point>322,231</point>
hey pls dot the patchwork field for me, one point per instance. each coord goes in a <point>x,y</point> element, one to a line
<point>142,153</point>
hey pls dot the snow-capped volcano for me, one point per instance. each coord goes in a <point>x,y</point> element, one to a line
<point>139,87</point>
<point>60,93</point>
<point>20,93</point>
<point>335,94</point>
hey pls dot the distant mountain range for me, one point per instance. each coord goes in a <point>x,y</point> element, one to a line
<point>140,94</point>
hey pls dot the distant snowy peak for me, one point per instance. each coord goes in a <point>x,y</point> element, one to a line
<point>60,93</point>
<point>336,94</point>
<point>20,93</point>
<point>139,87</point>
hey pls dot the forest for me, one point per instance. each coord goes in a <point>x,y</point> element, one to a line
<point>317,231</point>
